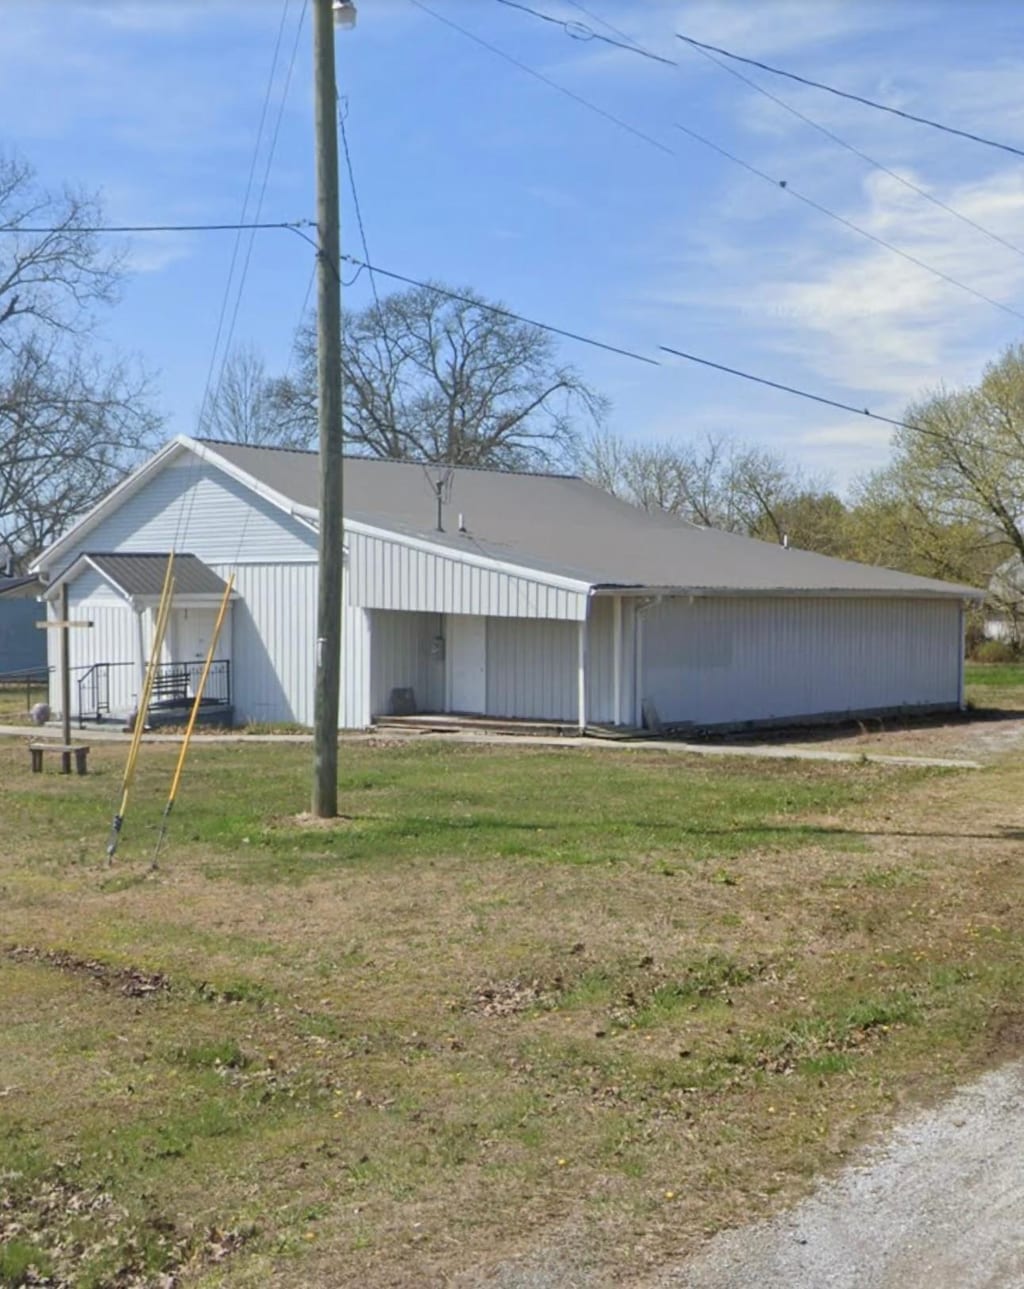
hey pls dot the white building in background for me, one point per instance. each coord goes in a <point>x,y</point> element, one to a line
<point>509,595</point>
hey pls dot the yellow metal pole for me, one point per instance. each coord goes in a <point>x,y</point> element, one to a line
<point>193,715</point>
<point>163,614</point>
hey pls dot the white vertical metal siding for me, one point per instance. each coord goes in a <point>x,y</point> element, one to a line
<point>356,654</point>
<point>274,644</point>
<point>601,662</point>
<point>113,638</point>
<point>390,575</point>
<point>403,657</point>
<point>273,667</point>
<point>721,660</point>
<point>531,669</point>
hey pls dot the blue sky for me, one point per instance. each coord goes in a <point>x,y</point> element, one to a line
<point>471,171</point>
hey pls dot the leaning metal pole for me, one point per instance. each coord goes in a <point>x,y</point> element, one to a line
<point>329,577</point>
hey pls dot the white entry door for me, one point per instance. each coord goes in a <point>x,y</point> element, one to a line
<point>466,649</point>
<point>193,632</point>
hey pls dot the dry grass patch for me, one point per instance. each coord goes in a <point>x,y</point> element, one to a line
<point>520,995</point>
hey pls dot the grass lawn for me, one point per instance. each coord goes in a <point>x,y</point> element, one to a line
<point>16,699</point>
<point>994,684</point>
<point>607,1000</point>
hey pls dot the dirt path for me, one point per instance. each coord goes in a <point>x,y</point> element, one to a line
<point>941,1206</point>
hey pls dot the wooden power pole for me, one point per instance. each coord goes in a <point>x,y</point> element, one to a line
<point>329,576</point>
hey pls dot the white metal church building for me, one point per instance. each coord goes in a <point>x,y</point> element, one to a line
<point>539,596</point>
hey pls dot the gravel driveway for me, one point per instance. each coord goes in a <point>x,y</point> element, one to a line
<point>939,1206</point>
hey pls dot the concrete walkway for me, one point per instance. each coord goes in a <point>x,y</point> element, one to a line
<point>768,751</point>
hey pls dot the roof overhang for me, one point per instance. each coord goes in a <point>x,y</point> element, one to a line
<point>136,601</point>
<point>956,593</point>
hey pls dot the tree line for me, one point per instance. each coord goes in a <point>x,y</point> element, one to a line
<point>441,375</point>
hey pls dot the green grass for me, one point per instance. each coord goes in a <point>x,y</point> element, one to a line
<point>1004,675</point>
<point>513,988</point>
<point>16,699</point>
<point>425,802</point>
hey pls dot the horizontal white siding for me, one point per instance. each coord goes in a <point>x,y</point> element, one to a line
<point>192,506</point>
<point>716,661</point>
<point>386,574</point>
<point>532,669</point>
<point>404,657</point>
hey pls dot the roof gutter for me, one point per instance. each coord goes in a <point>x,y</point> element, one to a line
<point>958,593</point>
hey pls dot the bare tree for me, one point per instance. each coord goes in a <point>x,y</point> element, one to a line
<point>246,407</point>
<point>716,482</point>
<point>436,379</point>
<point>71,423</point>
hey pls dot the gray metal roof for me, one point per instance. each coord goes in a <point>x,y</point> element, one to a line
<point>22,587</point>
<point>562,525</point>
<point>144,574</point>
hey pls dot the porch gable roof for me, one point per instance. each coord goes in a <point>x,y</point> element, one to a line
<point>141,576</point>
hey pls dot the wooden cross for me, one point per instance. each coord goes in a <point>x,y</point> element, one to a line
<point>64,624</point>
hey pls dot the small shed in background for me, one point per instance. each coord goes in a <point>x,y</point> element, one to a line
<point>22,644</point>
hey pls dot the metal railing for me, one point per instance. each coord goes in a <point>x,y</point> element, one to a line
<point>94,690</point>
<point>175,684</point>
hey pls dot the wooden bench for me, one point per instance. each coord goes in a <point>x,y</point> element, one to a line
<point>79,751</point>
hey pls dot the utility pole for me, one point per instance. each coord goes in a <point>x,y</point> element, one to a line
<point>330,567</point>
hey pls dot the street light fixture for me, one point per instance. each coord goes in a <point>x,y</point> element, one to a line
<point>344,14</point>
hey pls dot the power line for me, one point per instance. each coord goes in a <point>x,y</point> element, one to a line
<point>703,50</point>
<point>293,225</point>
<point>580,30</point>
<point>245,209</point>
<point>578,98</point>
<point>502,312</point>
<point>355,202</point>
<point>784,186</point>
<point>262,193</point>
<point>545,80</point>
<point>787,389</point>
<point>653,362</point>
<point>858,152</point>
<point>855,98</point>
<point>297,228</point>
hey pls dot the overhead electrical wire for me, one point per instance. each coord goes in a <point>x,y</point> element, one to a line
<point>858,152</point>
<point>503,312</point>
<point>785,187</point>
<point>787,389</point>
<point>226,296</point>
<point>298,226</point>
<point>262,194</point>
<point>293,225</point>
<point>577,30</point>
<point>855,98</point>
<point>653,362</point>
<point>580,31</point>
<point>356,206</point>
<point>777,183</point>
<point>545,80</point>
